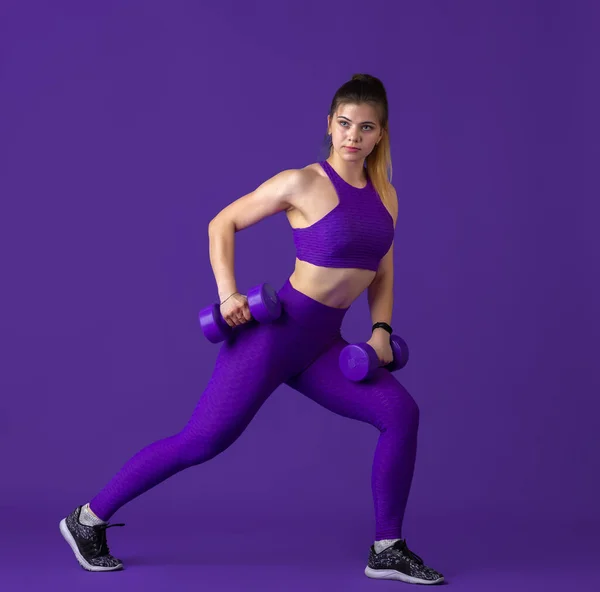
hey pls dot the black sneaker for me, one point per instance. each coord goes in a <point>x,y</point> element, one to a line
<point>89,543</point>
<point>399,563</point>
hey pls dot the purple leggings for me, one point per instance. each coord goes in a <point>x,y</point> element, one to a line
<point>300,349</point>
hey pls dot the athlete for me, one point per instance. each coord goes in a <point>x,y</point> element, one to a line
<point>343,213</point>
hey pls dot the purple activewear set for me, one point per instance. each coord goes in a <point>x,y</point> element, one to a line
<point>301,349</point>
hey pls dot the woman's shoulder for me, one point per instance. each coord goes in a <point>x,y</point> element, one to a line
<point>303,178</point>
<point>291,184</point>
<point>313,173</point>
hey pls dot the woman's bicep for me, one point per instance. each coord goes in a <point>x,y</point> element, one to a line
<point>269,198</point>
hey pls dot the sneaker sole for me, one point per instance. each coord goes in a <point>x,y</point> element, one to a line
<point>64,530</point>
<point>392,574</point>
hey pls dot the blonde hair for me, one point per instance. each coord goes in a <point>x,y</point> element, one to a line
<point>364,88</point>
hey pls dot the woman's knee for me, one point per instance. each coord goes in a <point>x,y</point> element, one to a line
<point>402,411</point>
<point>193,448</point>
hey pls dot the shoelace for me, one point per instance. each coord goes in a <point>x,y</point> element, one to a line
<point>99,546</point>
<point>402,546</point>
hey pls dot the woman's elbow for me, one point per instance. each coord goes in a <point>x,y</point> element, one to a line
<point>219,223</point>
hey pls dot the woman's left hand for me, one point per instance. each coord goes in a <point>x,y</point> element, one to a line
<point>380,342</point>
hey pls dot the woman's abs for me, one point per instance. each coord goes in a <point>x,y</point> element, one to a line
<point>334,287</point>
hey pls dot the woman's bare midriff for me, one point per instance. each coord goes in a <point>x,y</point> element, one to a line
<point>334,287</point>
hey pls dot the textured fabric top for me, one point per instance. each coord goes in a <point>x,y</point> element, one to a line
<point>357,233</point>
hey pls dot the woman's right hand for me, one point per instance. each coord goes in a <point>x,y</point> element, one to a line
<point>235,310</point>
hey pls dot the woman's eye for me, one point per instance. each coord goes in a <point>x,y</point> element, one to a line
<point>369,127</point>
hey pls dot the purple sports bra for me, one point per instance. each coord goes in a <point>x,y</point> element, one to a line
<point>357,233</point>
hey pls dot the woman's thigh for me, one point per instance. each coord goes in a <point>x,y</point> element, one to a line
<point>250,365</point>
<point>248,368</point>
<point>381,401</point>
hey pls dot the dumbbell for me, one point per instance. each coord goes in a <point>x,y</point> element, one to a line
<point>359,360</point>
<point>264,306</point>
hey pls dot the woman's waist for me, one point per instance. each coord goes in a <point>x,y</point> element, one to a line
<point>307,313</point>
<point>332,287</point>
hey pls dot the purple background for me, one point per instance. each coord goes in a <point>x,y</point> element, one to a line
<point>125,126</point>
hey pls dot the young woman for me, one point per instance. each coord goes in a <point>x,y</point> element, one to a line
<point>343,213</point>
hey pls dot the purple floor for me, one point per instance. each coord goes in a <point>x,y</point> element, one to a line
<point>194,551</point>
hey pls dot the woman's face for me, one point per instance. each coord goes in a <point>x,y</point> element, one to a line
<point>354,126</point>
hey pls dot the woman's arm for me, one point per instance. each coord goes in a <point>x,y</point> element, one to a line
<point>380,294</point>
<point>273,196</point>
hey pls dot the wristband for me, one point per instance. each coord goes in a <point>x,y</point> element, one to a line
<point>382,326</point>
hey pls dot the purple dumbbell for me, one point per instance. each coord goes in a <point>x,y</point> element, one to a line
<point>359,360</point>
<point>264,307</point>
